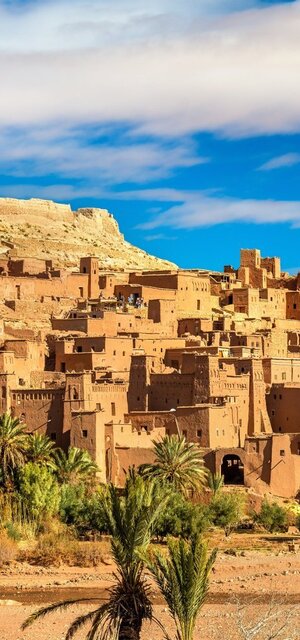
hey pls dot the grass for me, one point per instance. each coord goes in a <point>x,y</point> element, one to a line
<point>55,550</point>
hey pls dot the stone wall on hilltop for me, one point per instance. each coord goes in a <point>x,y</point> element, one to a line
<point>52,231</point>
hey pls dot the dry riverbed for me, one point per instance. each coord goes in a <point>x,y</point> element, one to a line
<point>247,581</point>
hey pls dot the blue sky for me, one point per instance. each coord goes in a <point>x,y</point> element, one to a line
<point>180,116</point>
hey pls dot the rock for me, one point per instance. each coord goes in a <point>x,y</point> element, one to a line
<point>44,229</point>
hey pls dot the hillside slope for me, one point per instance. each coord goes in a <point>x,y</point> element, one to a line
<point>48,230</point>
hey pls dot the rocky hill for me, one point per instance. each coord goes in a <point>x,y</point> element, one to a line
<point>48,230</point>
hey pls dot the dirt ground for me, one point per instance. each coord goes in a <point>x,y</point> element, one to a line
<point>241,585</point>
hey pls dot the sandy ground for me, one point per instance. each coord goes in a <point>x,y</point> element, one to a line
<point>253,579</point>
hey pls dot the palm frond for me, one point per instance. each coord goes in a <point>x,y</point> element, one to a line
<point>51,608</point>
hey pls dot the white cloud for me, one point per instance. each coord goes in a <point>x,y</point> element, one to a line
<point>196,209</point>
<point>168,70</point>
<point>73,153</point>
<point>286,160</point>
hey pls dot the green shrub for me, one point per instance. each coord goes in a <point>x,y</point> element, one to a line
<point>39,491</point>
<point>81,507</point>
<point>13,531</point>
<point>272,517</point>
<point>226,509</point>
<point>181,518</point>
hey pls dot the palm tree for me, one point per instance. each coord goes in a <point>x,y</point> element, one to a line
<point>40,449</point>
<point>183,579</point>
<point>12,446</point>
<point>177,463</point>
<point>215,482</point>
<point>74,465</point>
<point>130,520</point>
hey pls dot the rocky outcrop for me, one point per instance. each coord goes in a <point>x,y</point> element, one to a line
<point>48,230</point>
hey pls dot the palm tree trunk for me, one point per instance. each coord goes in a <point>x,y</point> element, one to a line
<point>129,630</point>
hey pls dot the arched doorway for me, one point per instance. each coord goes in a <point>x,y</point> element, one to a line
<point>232,469</point>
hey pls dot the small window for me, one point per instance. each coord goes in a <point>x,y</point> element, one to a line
<point>113,409</point>
<point>284,376</point>
<point>282,453</point>
<point>199,433</point>
<point>84,433</point>
<point>53,436</point>
<point>275,396</point>
<point>273,413</point>
<point>98,406</point>
<point>294,306</point>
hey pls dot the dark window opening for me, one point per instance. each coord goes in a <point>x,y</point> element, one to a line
<point>232,469</point>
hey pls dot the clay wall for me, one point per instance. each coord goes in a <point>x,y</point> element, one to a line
<point>7,382</point>
<point>90,266</point>
<point>109,281</point>
<point>275,344</point>
<point>281,370</point>
<point>28,356</point>
<point>283,408</point>
<point>272,303</point>
<point>84,394</point>
<point>90,326</point>
<point>87,431</point>
<point>72,285</point>
<point>28,266</point>
<point>293,305</point>
<point>246,301</point>
<point>271,466</point>
<point>41,410</point>
<point>167,391</point>
<point>272,266</point>
<point>250,258</point>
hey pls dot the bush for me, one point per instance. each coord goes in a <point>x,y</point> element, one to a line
<point>39,491</point>
<point>82,508</point>
<point>226,509</point>
<point>8,549</point>
<point>272,517</point>
<point>13,531</point>
<point>181,518</point>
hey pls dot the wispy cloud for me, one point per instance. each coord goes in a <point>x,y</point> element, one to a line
<point>159,236</point>
<point>190,210</point>
<point>80,154</point>
<point>286,160</point>
<point>173,67</point>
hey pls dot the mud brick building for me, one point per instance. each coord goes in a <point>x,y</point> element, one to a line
<point>109,359</point>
